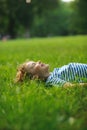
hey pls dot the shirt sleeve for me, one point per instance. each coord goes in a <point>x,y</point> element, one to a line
<point>55,81</point>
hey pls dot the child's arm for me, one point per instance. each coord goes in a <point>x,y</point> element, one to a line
<point>68,84</point>
<point>55,81</point>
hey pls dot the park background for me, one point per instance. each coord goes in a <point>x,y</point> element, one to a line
<point>54,32</point>
<point>42,18</point>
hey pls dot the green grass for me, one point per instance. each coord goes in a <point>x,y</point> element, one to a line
<point>32,106</point>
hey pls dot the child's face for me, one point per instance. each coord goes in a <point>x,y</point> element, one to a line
<point>37,68</point>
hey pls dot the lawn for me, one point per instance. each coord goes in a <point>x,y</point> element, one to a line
<point>32,106</point>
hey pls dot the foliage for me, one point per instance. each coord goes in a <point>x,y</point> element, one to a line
<point>53,23</point>
<point>42,18</point>
<point>79,16</point>
<point>32,106</point>
<point>18,13</point>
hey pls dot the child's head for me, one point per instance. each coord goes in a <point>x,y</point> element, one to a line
<point>33,69</point>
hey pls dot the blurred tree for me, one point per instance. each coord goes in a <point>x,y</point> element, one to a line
<point>3,16</point>
<point>79,18</point>
<point>18,15</point>
<point>54,22</point>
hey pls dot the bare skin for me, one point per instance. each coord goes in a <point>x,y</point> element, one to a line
<point>38,70</point>
<point>68,85</point>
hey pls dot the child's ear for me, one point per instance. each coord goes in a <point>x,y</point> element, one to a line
<point>23,69</point>
<point>37,67</point>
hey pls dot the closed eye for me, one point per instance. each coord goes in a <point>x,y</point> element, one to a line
<point>33,64</point>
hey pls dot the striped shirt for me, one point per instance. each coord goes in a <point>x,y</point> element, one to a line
<point>73,73</point>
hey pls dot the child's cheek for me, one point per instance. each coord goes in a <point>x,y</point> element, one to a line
<point>37,67</point>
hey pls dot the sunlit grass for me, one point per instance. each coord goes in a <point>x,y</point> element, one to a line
<point>32,106</point>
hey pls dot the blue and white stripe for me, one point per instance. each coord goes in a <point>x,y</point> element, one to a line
<point>73,72</point>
